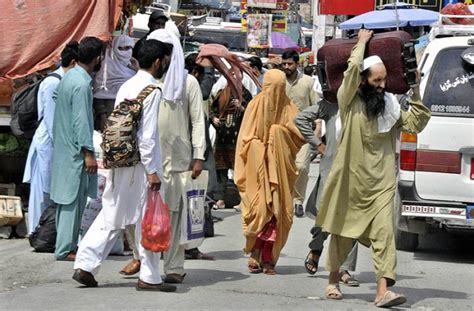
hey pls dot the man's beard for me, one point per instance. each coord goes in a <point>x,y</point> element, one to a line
<point>97,67</point>
<point>160,72</point>
<point>374,100</point>
<point>288,72</point>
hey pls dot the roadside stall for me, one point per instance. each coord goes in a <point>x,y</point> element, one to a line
<point>29,52</point>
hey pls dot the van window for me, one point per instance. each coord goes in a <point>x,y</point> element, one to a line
<point>450,88</point>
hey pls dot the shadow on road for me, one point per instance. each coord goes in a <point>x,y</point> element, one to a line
<point>369,277</point>
<point>446,248</point>
<point>414,295</point>
<point>288,270</point>
<point>206,277</point>
<point>115,285</point>
<point>227,255</point>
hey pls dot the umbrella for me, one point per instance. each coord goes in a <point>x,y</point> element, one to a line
<point>387,18</point>
<point>282,41</point>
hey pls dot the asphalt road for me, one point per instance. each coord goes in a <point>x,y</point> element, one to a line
<point>439,276</point>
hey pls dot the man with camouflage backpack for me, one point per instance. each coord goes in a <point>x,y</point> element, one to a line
<point>125,193</point>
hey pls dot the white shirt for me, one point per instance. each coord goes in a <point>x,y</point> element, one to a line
<point>182,129</point>
<point>247,82</point>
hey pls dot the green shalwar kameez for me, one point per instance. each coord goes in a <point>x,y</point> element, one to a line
<point>357,201</point>
<point>72,132</point>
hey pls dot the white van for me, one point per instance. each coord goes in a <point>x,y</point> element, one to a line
<point>436,176</point>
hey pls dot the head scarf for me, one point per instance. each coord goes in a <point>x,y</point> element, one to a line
<point>272,106</point>
<point>115,69</point>
<point>174,86</point>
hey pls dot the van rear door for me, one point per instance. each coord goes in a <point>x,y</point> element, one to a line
<point>445,149</point>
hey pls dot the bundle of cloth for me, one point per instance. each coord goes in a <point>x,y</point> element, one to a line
<point>229,65</point>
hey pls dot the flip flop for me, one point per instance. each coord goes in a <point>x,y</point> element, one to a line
<point>348,280</point>
<point>310,262</point>
<point>390,299</point>
<point>333,292</point>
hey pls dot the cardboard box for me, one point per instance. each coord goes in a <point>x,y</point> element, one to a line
<point>10,210</point>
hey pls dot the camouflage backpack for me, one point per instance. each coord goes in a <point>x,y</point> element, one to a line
<point>119,139</point>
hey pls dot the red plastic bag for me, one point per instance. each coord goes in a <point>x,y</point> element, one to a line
<point>156,226</point>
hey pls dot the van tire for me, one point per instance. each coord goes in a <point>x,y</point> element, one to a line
<point>406,241</point>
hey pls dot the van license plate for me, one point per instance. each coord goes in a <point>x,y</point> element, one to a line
<point>433,211</point>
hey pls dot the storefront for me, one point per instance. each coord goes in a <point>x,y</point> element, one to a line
<point>344,7</point>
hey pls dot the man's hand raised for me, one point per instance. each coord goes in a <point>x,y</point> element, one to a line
<point>365,35</point>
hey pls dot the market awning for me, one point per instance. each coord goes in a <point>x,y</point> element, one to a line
<point>35,32</point>
<point>390,18</point>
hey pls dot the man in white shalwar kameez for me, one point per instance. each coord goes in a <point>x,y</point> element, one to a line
<point>40,156</point>
<point>182,141</point>
<point>125,193</point>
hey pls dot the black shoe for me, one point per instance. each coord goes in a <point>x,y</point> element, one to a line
<point>174,278</point>
<point>299,212</point>
<point>162,287</point>
<point>85,278</point>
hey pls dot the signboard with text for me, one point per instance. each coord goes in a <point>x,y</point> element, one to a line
<point>433,5</point>
<point>279,16</point>
<point>344,7</point>
<point>259,29</point>
<point>267,4</point>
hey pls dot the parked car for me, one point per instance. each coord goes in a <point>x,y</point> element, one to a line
<point>436,176</point>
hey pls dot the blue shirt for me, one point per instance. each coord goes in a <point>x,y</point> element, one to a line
<point>72,131</point>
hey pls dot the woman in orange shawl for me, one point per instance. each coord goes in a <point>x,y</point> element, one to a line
<point>265,172</point>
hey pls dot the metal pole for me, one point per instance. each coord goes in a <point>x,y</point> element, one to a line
<point>396,14</point>
<point>314,39</point>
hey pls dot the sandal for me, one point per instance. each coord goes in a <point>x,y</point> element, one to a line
<point>348,280</point>
<point>269,269</point>
<point>390,299</point>
<point>311,264</point>
<point>333,292</point>
<point>219,205</point>
<point>254,266</point>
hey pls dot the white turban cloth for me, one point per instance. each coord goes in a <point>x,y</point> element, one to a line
<point>174,86</point>
<point>115,69</point>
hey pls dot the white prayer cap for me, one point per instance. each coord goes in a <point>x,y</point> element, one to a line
<point>370,61</point>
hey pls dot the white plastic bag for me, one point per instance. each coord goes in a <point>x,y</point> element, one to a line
<point>192,219</point>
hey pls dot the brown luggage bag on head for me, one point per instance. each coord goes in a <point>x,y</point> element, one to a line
<point>396,48</point>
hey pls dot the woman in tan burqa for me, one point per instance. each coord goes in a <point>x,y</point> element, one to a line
<point>265,172</point>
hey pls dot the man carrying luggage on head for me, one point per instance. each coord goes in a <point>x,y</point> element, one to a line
<point>357,202</point>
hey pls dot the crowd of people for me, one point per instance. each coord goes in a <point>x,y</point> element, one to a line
<point>269,124</point>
